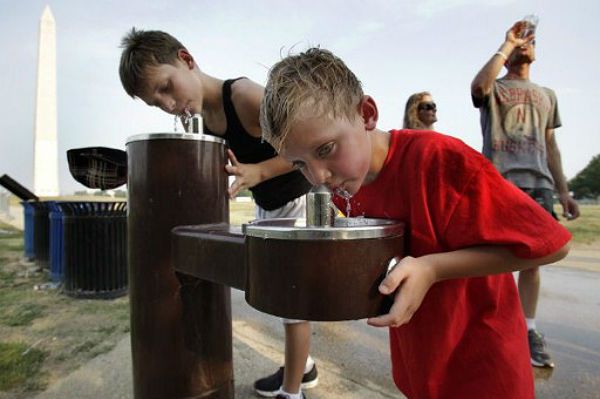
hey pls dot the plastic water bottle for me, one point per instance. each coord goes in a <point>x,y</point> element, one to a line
<point>531,22</point>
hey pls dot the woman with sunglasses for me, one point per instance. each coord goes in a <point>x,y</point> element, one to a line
<point>420,112</point>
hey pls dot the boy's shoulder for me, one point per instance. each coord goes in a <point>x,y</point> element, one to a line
<point>246,94</point>
<point>432,150</point>
<point>246,97</point>
<point>243,89</point>
<point>431,140</point>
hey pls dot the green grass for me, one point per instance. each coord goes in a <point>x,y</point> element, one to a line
<point>21,314</point>
<point>18,364</point>
<point>586,228</point>
<point>65,332</point>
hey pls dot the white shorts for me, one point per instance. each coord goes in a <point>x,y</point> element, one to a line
<point>293,209</point>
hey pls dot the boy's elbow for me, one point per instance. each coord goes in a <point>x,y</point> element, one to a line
<point>564,251</point>
<point>558,255</point>
<point>550,258</point>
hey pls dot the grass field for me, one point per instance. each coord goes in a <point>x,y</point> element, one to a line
<point>44,334</point>
<point>585,229</point>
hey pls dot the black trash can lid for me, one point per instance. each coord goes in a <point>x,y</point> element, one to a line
<point>98,167</point>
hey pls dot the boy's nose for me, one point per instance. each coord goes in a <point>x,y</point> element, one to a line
<point>320,175</point>
<point>167,105</point>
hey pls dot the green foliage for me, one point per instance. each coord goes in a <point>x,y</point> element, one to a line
<point>244,193</point>
<point>18,364</point>
<point>586,184</point>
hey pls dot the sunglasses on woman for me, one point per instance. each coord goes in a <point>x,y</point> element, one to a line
<point>429,106</point>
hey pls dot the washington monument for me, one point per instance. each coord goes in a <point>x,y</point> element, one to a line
<point>45,168</point>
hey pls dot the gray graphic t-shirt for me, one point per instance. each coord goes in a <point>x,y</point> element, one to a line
<point>514,119</point>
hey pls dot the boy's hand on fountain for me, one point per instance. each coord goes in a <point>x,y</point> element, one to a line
<point>408,282</point>
<point>246,175</point>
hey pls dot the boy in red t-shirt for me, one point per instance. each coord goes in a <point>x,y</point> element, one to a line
<point>456,326</point>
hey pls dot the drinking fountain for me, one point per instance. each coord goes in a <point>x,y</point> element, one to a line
<point>184,256</point>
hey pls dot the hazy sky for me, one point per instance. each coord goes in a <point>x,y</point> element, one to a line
<point>395,47</point>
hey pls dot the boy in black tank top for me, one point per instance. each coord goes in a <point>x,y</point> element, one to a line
<point>158,69</point>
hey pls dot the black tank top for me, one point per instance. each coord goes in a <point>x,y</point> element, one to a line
<point>270,194</point>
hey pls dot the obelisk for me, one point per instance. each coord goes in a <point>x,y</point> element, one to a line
<point>45,168</point>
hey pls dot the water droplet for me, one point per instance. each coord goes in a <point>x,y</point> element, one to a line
<point>346,196</point>
<point>185,120</point>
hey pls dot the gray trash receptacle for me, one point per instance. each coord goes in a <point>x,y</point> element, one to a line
<point>94,249</point>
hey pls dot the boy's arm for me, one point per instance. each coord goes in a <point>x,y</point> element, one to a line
<point>248,175</point>
<point>412,277</point>
<point>483,81</point>
<point>570,207</point>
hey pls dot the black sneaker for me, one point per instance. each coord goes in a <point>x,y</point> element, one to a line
<point>269,386</point>
<point>537,350</point>
<point>281,396</point>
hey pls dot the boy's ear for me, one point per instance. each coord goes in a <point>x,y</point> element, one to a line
<point>369,112</point>
<point>186,57</point>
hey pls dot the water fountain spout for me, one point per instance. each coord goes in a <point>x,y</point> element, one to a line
<point>320,211</point>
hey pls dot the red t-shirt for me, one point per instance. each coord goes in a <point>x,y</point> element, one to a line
<point>468,338</point>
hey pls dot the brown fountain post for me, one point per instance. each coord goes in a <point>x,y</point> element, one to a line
<point>180,326</point>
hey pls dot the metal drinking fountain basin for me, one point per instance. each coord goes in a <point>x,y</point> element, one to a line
<point>292,270</point>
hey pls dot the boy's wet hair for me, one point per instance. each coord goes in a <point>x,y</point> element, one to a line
<point>142,49</point>
<point>314,83</point>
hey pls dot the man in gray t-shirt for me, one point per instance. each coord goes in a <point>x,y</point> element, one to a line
<point>518,119</point>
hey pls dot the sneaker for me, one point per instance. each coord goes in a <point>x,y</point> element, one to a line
<point>281,396</point>
<point>537,350</point>
<point>269,386</point>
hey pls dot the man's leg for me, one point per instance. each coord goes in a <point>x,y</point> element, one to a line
<point>529,291</point>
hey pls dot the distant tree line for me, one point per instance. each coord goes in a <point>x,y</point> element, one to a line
<point>586,184</point>
<point>102,193</point>
<point>244,193</point>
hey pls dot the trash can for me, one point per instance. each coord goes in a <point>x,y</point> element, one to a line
<point>94,249</point>
<point>56,242</point>
<point>28,233</point>
<point>41,234</point>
